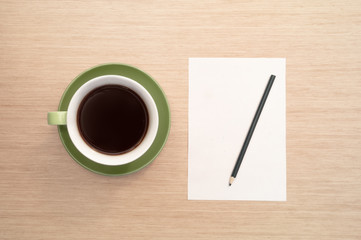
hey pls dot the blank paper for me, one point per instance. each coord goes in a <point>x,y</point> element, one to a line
<point>224,94</point>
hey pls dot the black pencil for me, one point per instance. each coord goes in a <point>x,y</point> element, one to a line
<point>251,129</point>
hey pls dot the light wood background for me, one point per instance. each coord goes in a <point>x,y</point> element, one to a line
<point>44,45</point>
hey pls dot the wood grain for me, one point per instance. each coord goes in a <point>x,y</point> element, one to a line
<point>44,194</point>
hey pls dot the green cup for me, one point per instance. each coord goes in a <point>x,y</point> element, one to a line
<point>70,117</point>
<point>136,80</point>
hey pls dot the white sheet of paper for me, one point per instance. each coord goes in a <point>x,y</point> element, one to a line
<point>224,94</point>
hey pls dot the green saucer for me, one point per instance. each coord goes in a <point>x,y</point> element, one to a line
<point>163,111</point>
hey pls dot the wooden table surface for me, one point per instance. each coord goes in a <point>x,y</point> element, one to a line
<point>44,45</point>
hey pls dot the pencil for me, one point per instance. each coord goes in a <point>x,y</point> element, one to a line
<point>251,129</point>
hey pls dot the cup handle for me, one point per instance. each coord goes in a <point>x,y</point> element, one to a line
<point>57,118</point>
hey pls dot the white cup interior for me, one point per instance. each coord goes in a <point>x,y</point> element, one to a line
<point>102,158</point>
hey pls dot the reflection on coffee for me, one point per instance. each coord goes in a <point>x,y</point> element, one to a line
<point>112,119</point>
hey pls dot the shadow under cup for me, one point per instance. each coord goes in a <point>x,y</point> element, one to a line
<point>112,120</point>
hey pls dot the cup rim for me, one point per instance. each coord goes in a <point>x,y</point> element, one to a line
<point>91,153</point>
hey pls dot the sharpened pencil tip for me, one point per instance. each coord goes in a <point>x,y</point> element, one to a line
<point>231,181</point>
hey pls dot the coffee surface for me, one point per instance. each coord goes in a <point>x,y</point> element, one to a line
<point>112,119</point>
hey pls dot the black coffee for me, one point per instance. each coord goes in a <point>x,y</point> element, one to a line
<point>113,119</point>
